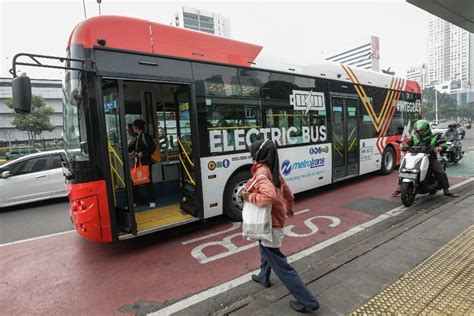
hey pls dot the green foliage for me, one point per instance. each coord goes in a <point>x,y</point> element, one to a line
<point>3,151</point>
<point>35,122</point>
<point>447,106</point>
<point>466,111</point>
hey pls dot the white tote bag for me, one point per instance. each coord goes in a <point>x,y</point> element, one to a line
<point>257,220</point>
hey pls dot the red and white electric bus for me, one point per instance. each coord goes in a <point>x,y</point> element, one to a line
<point>205,99</point>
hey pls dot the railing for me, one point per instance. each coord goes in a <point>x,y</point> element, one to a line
<point>115,164</point>
<point>183,150</point>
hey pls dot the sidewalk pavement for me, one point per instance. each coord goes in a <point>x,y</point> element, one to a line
<point>413,251</point>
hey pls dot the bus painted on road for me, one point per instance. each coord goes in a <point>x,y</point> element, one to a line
<point>205,99</point>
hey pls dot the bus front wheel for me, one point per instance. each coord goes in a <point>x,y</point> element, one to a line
<point>388,160</point>
<point>233,203</point>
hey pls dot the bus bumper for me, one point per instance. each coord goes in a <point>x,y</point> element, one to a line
<point>89,210</point>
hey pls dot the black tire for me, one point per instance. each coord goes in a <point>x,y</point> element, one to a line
<point>388,160</point>
<point>452,158</point>
<point>407,194</point>
<point>232,203</point>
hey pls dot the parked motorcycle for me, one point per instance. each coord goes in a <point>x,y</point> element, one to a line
<point>414,175</point>
<point>468,125</point>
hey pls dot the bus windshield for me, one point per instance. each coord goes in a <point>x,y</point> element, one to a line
<point>74,134</point>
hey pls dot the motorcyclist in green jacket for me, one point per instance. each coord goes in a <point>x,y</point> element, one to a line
<point>422,134</point>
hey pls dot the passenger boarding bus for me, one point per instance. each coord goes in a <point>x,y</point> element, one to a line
<point>204,100</point>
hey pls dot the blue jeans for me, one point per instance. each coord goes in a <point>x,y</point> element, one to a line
<point>272,258</point>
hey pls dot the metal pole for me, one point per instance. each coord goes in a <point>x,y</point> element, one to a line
<point>84,5</point>
<point>9,139</point>
<point>436,104</point>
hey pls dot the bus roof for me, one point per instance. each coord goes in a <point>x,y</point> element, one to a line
<point>139,35</point>
<point>155,38</point>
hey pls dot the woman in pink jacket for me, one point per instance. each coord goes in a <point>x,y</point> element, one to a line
<point>271,189</point>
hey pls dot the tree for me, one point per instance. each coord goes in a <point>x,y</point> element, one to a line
<point>34,123</point>
<point>447,106</point>
<point>466,111</point>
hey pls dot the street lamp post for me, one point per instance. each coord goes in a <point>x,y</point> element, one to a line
<point>9,139</point>
<point>433,83</point>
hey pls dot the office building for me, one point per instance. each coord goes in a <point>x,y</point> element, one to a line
<point>207,22</point>
<point>450,52</point>
<point>51,91</point>
<point>418,74</point>
<point>366,56</point>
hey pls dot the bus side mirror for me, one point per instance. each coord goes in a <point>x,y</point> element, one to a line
<point>21,92</point>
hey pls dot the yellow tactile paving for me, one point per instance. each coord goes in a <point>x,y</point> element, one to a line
<point>442,284</point>
<point>160,216</point>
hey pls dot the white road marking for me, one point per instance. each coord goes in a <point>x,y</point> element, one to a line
<point>35,238</point>
<point>462,183</point>
<point>201,296</point>
<point>235,225</point>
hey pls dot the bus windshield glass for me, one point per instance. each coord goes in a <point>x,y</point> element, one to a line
<point>74,134</point>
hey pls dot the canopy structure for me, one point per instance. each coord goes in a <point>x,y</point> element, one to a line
<point>457,12</point>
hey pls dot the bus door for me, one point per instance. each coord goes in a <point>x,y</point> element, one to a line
<point>188,177</point>
<point>345,137</point>
<point>118,157</point>
<point>173,117</point>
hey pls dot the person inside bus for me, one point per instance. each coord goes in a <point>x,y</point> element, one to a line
<point>423,134</point>
<point>131,134</point>
<point>131,138</point>
<point>143,147</point>
<point>271,189</point>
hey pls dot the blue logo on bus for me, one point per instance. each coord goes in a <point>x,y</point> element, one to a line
<point>226,163</point>
<point>286,167</point>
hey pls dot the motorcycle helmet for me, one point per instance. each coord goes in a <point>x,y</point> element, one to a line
<point>422,128</point>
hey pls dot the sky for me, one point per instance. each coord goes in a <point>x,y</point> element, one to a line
<point>294,32</point>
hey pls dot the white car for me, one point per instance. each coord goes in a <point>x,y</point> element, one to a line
<point>32,178</point>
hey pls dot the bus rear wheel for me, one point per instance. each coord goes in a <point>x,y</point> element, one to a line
<point>388,160</point>
<point>233,203</point>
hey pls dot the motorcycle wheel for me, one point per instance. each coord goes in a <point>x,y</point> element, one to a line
<point>452,158</point>
<point>407,195</point>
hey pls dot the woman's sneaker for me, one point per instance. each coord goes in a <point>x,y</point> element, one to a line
<point>152,205</point>
<point>300,308</point>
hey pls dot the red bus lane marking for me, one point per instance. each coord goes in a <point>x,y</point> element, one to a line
<point>68,275</point>
<point>232,248</point>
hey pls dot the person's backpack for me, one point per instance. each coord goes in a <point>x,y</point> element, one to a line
<point>156,155</point>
